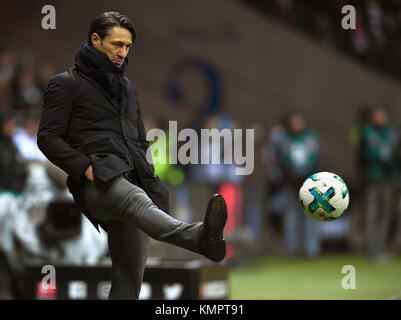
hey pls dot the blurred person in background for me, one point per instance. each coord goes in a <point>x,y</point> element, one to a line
<point>374,19</point>
<point>92,128</point>
<point>355,138</point>
<point>395,223</point>
<point>25,137</point>
<point>45,71</point>
<point>286,11</point>
<point>360,40</point>
<point>12,180</point>
<point>8,73</point>
<point>8,65</point>
<point>221,177</point>
<point>166,171</point>
<point>215,172</point>
<point>363,118</point>
<point>379,171</point>
<point>12,169</point>
<point>297,155</point>
<point>28,95</point>
<point>324,29</point>
<point>5,96</point>
<point>275,199</point>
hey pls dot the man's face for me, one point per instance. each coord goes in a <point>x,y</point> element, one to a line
<point>8,127</point>
<point>115,45</point>
<point>379,118</point>
<point>297,124</point>
<point>31,126</point>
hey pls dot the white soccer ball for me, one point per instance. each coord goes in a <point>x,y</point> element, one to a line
<point>324,196</point>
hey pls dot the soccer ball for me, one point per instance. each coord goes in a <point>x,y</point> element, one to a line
<point>324,196</point>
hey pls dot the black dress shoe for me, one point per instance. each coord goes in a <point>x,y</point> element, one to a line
<point>212,243</point>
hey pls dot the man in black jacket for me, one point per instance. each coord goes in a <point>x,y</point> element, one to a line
<point>92,128</point>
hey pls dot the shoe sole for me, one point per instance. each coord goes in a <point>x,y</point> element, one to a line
<point>217,218</point>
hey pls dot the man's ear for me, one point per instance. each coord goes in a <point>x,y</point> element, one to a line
<point>95,38</point>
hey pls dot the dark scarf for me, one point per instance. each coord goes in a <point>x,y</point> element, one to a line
<point>100,68</point>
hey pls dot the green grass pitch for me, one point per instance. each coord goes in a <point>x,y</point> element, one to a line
<point>276,278</point>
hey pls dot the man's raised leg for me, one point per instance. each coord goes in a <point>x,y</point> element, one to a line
<point>126,202</point>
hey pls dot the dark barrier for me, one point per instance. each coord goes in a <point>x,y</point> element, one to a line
<point>163,280</point>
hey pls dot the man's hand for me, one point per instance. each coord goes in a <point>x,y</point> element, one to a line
<point>89,173</point>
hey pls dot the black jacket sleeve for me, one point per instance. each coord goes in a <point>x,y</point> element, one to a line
<point>141,126</point>
<point>56,112</point>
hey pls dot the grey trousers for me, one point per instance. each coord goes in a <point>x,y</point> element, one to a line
<point>299,229</point>
<point>378,201</point>
<point>132,218</point>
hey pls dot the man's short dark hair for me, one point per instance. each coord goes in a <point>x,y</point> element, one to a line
<point>107,20</point>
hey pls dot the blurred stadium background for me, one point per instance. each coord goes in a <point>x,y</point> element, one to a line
<point>215,64</point>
